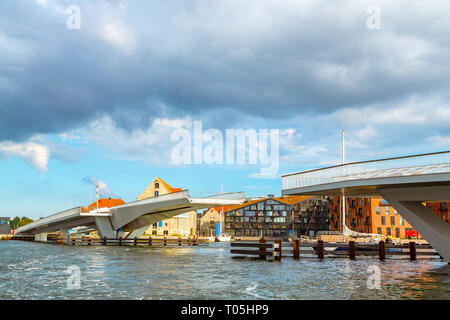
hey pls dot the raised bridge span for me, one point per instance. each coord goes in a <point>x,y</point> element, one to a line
<point>405,182</point>
<point>137,215</point>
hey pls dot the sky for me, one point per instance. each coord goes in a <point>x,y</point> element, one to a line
<point>91,92</point>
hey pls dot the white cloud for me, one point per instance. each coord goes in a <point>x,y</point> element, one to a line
<point>150,145</point>
<point>118,35</point>
<point>32,152</point>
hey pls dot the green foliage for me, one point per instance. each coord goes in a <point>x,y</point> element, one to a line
<point>19,222</point>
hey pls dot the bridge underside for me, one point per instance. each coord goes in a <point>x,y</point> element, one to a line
<point>406,195</point>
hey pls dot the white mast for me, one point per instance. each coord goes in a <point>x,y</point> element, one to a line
<point>344,227</point>
<point>97,187</point>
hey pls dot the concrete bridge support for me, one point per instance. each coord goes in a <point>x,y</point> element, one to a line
<point>104,227</point>
<point>432,228</point>
<point>41,237</point>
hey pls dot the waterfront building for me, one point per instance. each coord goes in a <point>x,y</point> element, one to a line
<point>105,203</point>
<point>278,217</point>
<point>370,215</point>
<point>4,225</point>
<point>441,209</point>
<point>212,221</point>
<point>182,225</point>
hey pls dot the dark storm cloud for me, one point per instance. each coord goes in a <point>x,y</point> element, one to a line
<point>219,61</point>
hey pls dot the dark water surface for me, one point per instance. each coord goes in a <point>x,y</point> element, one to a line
<point>39,271</point>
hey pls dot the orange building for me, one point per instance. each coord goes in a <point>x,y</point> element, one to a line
<point>105,203</point>
<point>441,209</point>
<point>369,215</point>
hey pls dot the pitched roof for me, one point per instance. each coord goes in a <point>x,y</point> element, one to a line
<point>169,188</point>
<point>289,200</point>
<point>108,203</point>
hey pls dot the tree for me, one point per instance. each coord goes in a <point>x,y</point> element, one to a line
<point>24,221</point>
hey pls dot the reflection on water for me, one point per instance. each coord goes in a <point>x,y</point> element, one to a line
<point>38,271</point>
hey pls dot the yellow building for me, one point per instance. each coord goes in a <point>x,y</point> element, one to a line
<point>182,225</point>
<point>210,221</point>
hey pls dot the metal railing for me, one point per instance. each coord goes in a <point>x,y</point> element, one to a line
<point>428,163</point>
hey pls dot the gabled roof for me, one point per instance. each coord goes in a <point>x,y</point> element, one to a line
<point>289,200</point>
<point>169,188</point>
<point>108,203</point>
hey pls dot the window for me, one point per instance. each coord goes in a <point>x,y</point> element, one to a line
<point>279,220</point>
<point>166,232</point>
<point>392,221</point>
<point>378,210</point>
<point>156,193</point>
<point>383,221</point>
<point>284,213</point>
<point>253,207</point>
<point>269,213</point>
<point>402,221</point>
<point>261,205</point>
<point>153,232</point>
<point>397,232</point>
<point>379,230</point>
<point>156,184</point>
<point>388,231</point>
<point>395,211</point>
<point>386,209</point>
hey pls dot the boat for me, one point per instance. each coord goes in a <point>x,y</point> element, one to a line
<point>224,238</point>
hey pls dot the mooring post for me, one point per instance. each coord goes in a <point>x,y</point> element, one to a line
<point>320,249</point>
<point>89,241</point>
<point>382,250</point>
<point>135,241</point>
<point>279,250</point>
<point>351,250</point>
<point>412,251</point>
<point>73,241</point>
<point>296,246</point>
<point>262,250</point>
<point>179,241</point>
<point>149,241</point>
<point>120,241</point>
<point>104,241</point>
<point>165,241</point>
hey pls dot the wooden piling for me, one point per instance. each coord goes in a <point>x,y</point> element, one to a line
<point>279,250</point>
<point>412,251</point>
<point>382,250</point>
<point>165,241</point>
<point>320,249</point>
<point>89,241</point>
<point>149,241</point>
<point>135,241</point>
<point>351,250</point>
<point>296,246</point>
<point>262,250</point>
<point>120,241</point>
<point>179,241</point>
<point>104,241</point>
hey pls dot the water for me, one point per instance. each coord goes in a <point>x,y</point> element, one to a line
<point>38,271</point>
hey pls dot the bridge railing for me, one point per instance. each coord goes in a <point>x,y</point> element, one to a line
<point>429,163</point>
